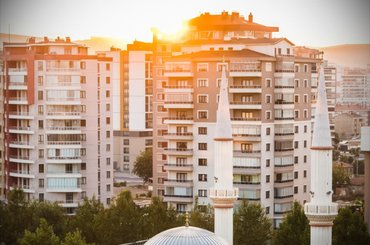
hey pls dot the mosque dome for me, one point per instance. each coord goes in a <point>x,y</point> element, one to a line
<point>186,235</point>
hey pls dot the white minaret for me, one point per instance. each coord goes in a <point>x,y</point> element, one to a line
<point>321,211</point>
<point>223,195</point>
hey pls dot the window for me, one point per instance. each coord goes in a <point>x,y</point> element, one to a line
<point>126,142</point>
<point>107,93</point>
<point>40,66</point>
<point>202,82</point>
<point>268,99</point>
<point>305,128</point>
<point>107,120</point>
<point>126,150</point>
<point>107,67</point>
<point>305,144</point>
<point>267,178</point>
<point>41,109</point>
<point>202,99</point>
<point>40,95</point>
<point>296,129</point>
<point>296,159</point>
<point>305,98</point>
<point>220,66</point>
<point>108,174</point>
<point>126,158</point>
<point>268,66</point>
<point>268,83</point>
<point>267,194</point>
<point>305,158</point>
<point>83,180</point>
<point>107,80</point>
<point>305,68</point>
<point>202,177</point>
<point>295,189</point>
<point>268,114</point>
<point>202,146</point>
<point>41,197</point>
<point>296,175</point>
<point>296,83</point>
<point>41,183</point>
<point>107,160</point>
<point>267,162</point>
<point>107,134</point>
<point>41,168</point>
<point>202,114</point>
<point>202,161</point>
<point>202,130</point>
<point>268,147</point>
<point>296,68</point>
<point>296,114</point>
<point>83,166</point>
<point>202,67</point>
<point>268,131</point>
<point>83,65</point>
<point>304,173</point>
<point>202,193</point>
<point>108,201</point>
<point>295,144</point>
<point>41,153</point>
<point>107,147</point>
<point>305,188</point>
<point>40,80</point>
<point>306,83</point>
<point>267,210</point>
<point>82,79</point>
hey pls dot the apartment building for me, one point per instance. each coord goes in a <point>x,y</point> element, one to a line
<point>134,133</point>
<point>271,90</point>
<point>2,160</point>
<point>355,87</point>
<point>331,84</point>
<point>58,122</point>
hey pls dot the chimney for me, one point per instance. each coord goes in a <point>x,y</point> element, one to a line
<point>46,39</point>
<point>250,17</point>
<point>31,40</point>
<point>68,39</point>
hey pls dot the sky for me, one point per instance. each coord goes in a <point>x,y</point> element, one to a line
<point>315,23</point>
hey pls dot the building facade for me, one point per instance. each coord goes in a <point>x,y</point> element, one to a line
<point>58,122</point>
<point>331,84</point>
<point>271,92</point>
<point>355,87</point>
<point>2,155</point>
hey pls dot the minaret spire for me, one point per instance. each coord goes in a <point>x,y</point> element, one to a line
<point>223,194</point>
<point>321,211</point>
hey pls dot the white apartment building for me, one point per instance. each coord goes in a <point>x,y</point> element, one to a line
<point>2,160</point>
<point>271,90</point>
<point>58,122</point>
<point>331,84</point>
<point>355,87</point>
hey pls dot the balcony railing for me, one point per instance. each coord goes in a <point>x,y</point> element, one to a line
<point>64,128</point>
<point>245,102</point>
<point>17,84</point>
<point>19,113</point>
<point>179,180</point>
<point>245,67</point>
<point>178,118</point>
<point>178,102</point>
<point>180,196</point>
<point>247,151</point>
<point>245,119</point>
<point>245,86</point>
<point>62,69</point>
<point>23,69</point>
<point>64,143</point>
<point>64,157</point>
<point>178,86</point>
<point>20,157</point>
<point>14,142</point>
<point>246,166</point>
<point>284,149</point>
<point>284,118</point>
<point>247,182</point>
<point>178,149</point>
<point>284,181</point>
<point>18,99</point>
<point>21,128</point>
<point>283,196</point>
<point>179,134</point>
<point>63,99</point>
<point>284,102</point>
<point>20,172</point>
<point>63,113</point>
<point>178,165</point>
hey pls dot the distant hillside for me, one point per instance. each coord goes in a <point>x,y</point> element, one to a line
<point>94,43</point>
<point>348,54</point>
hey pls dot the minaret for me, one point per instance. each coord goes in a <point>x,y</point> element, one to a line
<point>223,195</point>
<point>321,211</point>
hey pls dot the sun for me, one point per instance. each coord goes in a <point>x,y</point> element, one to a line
<point>172,30</point>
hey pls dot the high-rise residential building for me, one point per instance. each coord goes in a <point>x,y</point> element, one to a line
<point>355,87</point>
<point>331,84</point>
<point>271,90</point>
<point>58,122</point>
<point>134,133</point>
<point>2,160</point>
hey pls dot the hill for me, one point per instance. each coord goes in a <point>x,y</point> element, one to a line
<point>351,55</point>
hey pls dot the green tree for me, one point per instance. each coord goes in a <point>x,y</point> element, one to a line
<point>74,238</point>
<point>143,166</point>
<point>340,177</point>
<point>44,235</point>
<point>336,140</point>
<point>86,218</point>
<point>251,225</point>
<point>294,229</point>
<point>350,228</point>
<point>202,217</point>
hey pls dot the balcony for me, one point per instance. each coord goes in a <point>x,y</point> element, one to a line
<point>64,144</point>
<point>283,183</point>
<point>250,170</point>
<point>178,89</point>
<point>178,136</point>
<point>284,118</point>
<point>178,182</point>
<point>21,130</point>
<point>246,119</point>
<point>68,203</point>
<point>245,69</point>
<point>247,137</point>
<point>63,115</point>
<point>178,69</point>
<point>287,167</point>
<point>64,174</point>
<point>282,196</point>
<point>178,198</point>
<point>245,105</point>
<point>18,101</point>
<point>17,71</point>
<point>55,69</point>
<point>21,145</point>
<point>63,130</point>
<point>178,151</point>
<point>178,167</point>
<point>63,159</point>
<point>20,115</point>
<point>17,86</point>
<point>21,174</point>
<point>247,184</point>
<point>61,188</point>
<point>245,89</point>
<point>178,120</point>
<point>247,153</point>
<point>178,104</point>
<point>21,159</point>
<point>63,85</point>
<point>63,101</point>
<point>25,188</point>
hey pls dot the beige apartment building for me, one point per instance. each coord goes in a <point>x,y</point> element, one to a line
<point>271,93</point>
<point>58,122</point>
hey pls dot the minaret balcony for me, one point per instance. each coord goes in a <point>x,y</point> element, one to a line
<point>178,120</point>
<point>178,183</point>
<point>215,193</point>
<point>245,89</point>
<point>246,105</point>
<point>178,198</point>
<point>321,210</point>
<point>178,136</point>
<point>178,167</point>
<point>178,151</point>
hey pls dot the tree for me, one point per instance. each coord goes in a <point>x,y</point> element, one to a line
<point>336,140</point>
<point>202,217</point>
<point>74,238</point>
<point>86,218</point>
<point>143,166</point>
<point>44,235</point>
<point>294,229</point>
<point>251,225</point>
<point>340,177</point>
<point>350,228</point>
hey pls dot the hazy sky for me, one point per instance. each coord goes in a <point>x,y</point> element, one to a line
<point>304,22</point>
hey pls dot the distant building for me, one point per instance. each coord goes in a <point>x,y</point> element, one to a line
<point>348,125</point>
<point>58,122</point>
<point>365,148</point>
<point>272,90</point>
<point>331,84</point>
<point>2,152</point>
